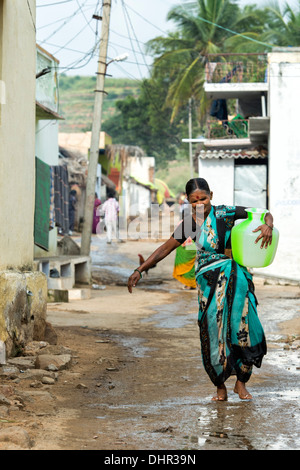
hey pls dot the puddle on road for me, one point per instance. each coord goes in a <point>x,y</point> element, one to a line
<point>266,423</point>
<point>136,345</point>
<point>174,316</point>
<point>270,421</point>
<point>287,361</point>
<point>277,311</point>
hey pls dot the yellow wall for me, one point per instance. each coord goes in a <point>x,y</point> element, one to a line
<point>17,133</point>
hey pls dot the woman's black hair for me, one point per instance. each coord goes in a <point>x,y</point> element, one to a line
<point>196,183</point>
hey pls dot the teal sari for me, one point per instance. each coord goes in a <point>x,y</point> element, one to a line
<point>232,337</point>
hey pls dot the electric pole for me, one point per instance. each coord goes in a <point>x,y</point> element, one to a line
<point>96,129</point>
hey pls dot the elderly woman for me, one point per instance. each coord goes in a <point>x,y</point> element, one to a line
<point>232,338</point>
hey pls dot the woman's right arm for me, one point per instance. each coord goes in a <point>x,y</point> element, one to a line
<point>160,253</point>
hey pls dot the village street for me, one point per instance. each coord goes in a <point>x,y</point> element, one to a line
<point>211,115</point>
<point>136,379</point>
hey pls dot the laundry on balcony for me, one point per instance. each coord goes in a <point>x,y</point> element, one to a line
<point>219,110</point>
<point>239,126</point>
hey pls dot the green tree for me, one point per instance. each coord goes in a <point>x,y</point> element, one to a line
<point>283,25</point>
<point>181,55</point>
<point>145,122</point>
<point>203,27</point>
<point>157,119</point>
<point>251,25</point>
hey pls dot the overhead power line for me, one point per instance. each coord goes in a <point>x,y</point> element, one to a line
<point>145,19</point>
<point>75,65</point>
<point>66,48</point>
<point>130,22</point>
<point>66,22</point>
<point>86,20</point>
<point>54,4</point>
<point>87,56</point>
<point>70,40</point>
<point>69,17</point>
<point>234,32</point>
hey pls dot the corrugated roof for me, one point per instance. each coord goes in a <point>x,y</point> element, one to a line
<point>232,154</point>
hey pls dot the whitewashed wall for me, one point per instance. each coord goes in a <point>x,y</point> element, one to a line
<point>46,141</point>
<point>284,160</point>
<point>219,173</point>
<point>138,167</point>
<point>139,200</point>
<point>17,121</point>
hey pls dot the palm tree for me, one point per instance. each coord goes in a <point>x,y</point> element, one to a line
<point>284,25</point>
<point>203,27</point>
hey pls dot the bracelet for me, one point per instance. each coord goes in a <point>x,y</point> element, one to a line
<point>139,272</point>
<point>269,226</point>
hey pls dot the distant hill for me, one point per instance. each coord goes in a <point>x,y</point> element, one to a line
<point>76,98</point>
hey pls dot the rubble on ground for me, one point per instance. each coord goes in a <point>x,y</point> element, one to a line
<point>40,365</point>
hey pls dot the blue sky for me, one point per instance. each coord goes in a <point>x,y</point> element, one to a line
<point>65,29</point>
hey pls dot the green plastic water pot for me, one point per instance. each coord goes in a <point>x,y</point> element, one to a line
<point>244,249</point>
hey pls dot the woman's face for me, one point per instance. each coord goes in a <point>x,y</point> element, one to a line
<point>200,198</point>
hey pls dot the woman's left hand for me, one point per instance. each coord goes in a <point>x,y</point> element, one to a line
<point>265,235</point>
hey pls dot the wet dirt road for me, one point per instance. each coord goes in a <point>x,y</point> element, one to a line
<point>154,393</point>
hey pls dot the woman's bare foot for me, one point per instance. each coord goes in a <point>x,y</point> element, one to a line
<point>241,390</point>
<point>221,393</point>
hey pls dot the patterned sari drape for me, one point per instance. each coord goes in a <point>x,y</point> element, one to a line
<point>232,337</point>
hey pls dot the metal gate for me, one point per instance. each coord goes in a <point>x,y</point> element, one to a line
<point>250,185</point>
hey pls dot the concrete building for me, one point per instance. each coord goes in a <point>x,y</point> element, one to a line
<point>17,132</point>
<point>77,144</point>
<point>138,188</point>
<point>46,147</point>
<point>254,160</point>
<point>23,292</point>
<point>59,260</point>
<point>284,157</point>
